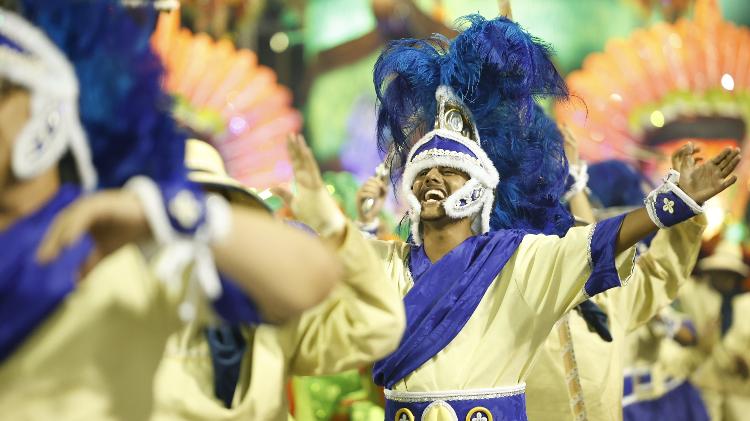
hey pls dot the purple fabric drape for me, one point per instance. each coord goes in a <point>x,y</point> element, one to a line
<point>30,292</point>
<point>444,296</point>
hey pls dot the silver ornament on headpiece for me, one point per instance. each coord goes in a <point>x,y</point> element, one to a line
<point>453,114</point>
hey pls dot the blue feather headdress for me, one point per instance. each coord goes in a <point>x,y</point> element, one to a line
<point>496,70</point>
<point>125,113</point>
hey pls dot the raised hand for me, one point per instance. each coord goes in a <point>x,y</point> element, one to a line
<point>704,180</point>
<point>312,204</point>
<point>306,171</point>
<point>375,188</point>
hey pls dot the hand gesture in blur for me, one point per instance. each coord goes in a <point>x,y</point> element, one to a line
<point>373,190</point>
<point>113,218</point>
<point>306,171</point>
<point>312,203</point>
<point>704,180</point>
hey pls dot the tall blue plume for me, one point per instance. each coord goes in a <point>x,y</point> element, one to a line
<point>533,169</point>
<point>498,70</point>
<point>406,76</point>
<point>124,111</point>
<point>494,61</point>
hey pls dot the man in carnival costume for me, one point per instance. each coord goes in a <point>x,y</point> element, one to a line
<point>237,371</point>
<point>483,285</point>
<point>85,321</point>
<point>578,374</point>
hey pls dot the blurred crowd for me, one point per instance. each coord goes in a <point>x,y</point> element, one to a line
<point>483,271</point>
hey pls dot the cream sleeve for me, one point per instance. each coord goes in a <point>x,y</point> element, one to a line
<point>555,274</point>
<point>360,322</point>
<point>660,272</point>
<point>736,342</point>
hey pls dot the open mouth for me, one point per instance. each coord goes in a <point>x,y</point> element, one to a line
<point>433,196</point>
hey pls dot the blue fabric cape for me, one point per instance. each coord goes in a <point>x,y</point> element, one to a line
<point>444,296</point>
<point>30,292</point>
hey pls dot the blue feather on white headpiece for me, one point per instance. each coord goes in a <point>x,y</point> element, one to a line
<point>495,71</point>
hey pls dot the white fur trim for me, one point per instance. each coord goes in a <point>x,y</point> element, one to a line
<point>51,80</point>
<point>472,206</point>
<point>414,216</point>
<point>480,170</point>
<point>483,160</point>
<point>153,206</point>
<point>669,184</point>
<point>44,68</point>
<point>479,167</point>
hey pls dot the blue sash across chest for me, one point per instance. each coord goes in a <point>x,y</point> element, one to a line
<point>443,298</point>
<point>30,292</point>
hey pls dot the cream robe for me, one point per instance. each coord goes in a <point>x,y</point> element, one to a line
<point>361,321</point>
<point>95,356</point>
<point>542,280</point>
<point>726,393</point>
<point>654,284</point>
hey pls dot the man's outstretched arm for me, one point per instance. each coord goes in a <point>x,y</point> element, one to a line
<point>700,181</point>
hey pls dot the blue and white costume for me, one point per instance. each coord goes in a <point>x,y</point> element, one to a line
<point>477,317</point>
<point>75,347</point>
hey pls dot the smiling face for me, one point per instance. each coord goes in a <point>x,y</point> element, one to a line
<point>432,186</point>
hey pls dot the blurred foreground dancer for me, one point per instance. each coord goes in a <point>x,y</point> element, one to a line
<point>578,374</point>
<point>84,318</point>
<point>483,285</point>
<point>240,371</point>
<point>718,307</point>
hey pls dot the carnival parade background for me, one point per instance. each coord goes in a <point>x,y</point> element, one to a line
<point>645,76</point>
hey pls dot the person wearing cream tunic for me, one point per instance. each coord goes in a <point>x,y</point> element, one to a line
<point>482,286</point>
<point>513,296</point>
<point>722,355</point>
<point>360,322</point>
<point>731,358</point>
<point>85,319</point>
<point>654,283</point>
<point>658,274</point>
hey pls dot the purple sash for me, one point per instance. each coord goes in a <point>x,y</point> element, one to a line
<point>30,292</point>
<point>444,296</point>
